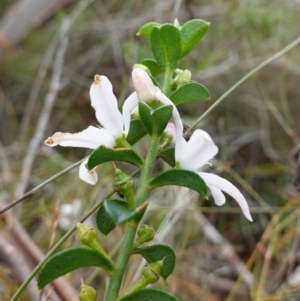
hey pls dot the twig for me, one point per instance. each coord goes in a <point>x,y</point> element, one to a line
<point>226,250</point>
<point>17,262</point>
<point>243,79</point>
<point>40,186</point>
<point>47,109</point>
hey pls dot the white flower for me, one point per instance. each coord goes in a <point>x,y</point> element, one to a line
<point>197,152</point>
<point>105,104</point>
<point>146,91</point>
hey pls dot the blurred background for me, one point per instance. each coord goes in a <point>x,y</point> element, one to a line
<point>49,54</point>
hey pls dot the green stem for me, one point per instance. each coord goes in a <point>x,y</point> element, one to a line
<point>142,191</point>
<point>131,228</point>
<point>242,80</point>
<point>167,82</point>
<point>124,254</point>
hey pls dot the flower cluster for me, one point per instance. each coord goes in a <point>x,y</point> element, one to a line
<point>191,155</point>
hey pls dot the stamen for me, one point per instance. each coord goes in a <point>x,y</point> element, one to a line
<point>97,79</point>
<point>49,141</point>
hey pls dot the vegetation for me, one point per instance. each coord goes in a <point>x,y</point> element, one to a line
<point>256,127</point>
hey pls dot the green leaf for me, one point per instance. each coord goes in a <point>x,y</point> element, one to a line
<point>180,177</point>
<point>121,214</point>
<point>146,117</point>
<point>166,46</point>
<point>168,155</point>
<point>105,154</point>
<point>69,260</point>
<point>155,121</point>
<point>190,92</point>
<point>150,294</point>
<point>152,66</point>
<point>104,222</point>
<point>146,29</point>
<point>137,131</point>
<point>191,33</point>
<point>159,252</point>
<point>161,116</point>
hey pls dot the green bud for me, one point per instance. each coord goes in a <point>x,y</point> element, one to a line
<point>145,234</point>
<point>88,237</point>
<point>148,276</point>
<point>87,293</point>
<point>156,266</point>
<point>124,184</point>
<point>182,77</point>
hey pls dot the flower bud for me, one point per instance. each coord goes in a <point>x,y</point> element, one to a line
<point>143,67</point>
<point>156,266</point>
<point>88,236</point>
<point>124,185</point>
<point>143,85</point>
<point>168,137</point>
<point>87,293</point>
<point>145,234</point>
<point>148,276</point>
<point>182,77</point>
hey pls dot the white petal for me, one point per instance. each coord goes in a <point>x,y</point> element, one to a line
<point>90,177</point>
<point>217,195</point>
<point>129,105</point>
<point>91,137</point>
<point>106,106</point>
<point>226,186</point>
<point>143,85</point>
<point>177,120</point>
<point>198,150</point>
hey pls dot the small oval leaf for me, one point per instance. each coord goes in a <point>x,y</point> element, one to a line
<point>161,116</point>
<point>159,252</point>
<point>137,131</point>
<point>152,66</point>
<point>104,222</point>
<point>166,46</point>
<point>168,155</point>
<point>146,29</point>
<point>69,260</point>
<point>150,294</point>
<point>191,33</point>
<point>105,154</point>
<point>121,214</point>
<point>190,92</point>
<point>180,177</point>
<point>145,112</point>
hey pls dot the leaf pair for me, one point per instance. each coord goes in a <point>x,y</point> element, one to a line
<point>155,121</point>
<point>170,43</point>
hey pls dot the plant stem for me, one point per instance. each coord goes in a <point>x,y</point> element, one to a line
<point>142,191</point>
<point>167,82</point>
<point>131,228</point>
<point>124,254</point>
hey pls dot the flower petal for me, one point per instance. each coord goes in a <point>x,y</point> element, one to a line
<point>129,105</point>
<point>198,150</point>
<point>226,186</point>
<point>217,195</point>
<point>91,137</point>
<point>106,106</point>
<point>143,85</point>
<point>90,177</point>
<point>177,120</point>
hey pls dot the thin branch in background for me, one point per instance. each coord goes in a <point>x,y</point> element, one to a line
<point>226,250</point>
<point>50,99</point>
